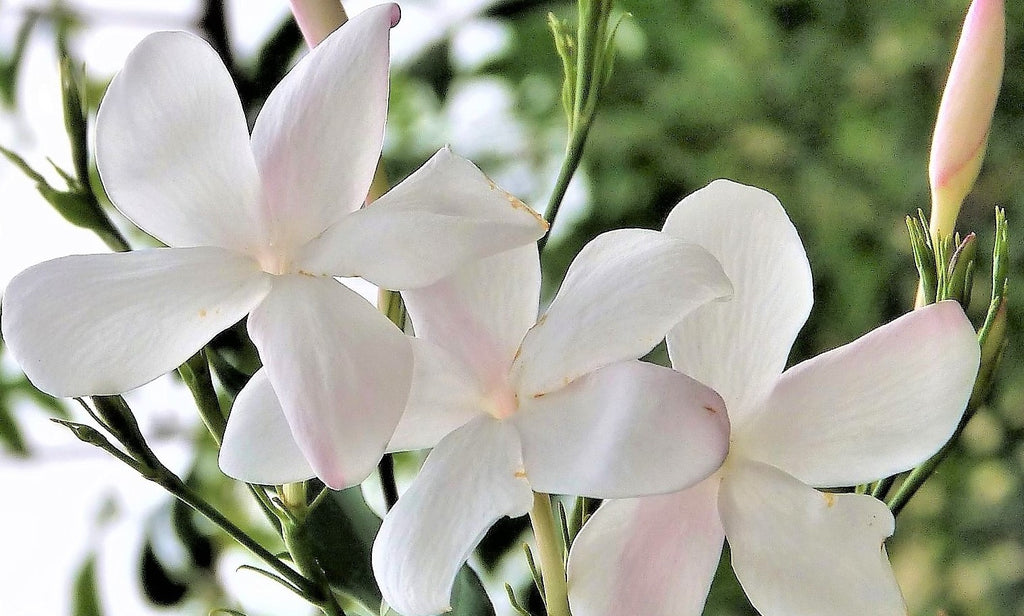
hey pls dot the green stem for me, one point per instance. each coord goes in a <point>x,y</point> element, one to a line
<point>552,561</point>
<point>571,162</point>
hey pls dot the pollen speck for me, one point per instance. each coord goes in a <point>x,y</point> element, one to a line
<point>830,499</point>
<point>521,474</point>
<point>202,313</point>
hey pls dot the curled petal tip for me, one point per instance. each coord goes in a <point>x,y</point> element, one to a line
<point>396,15</point>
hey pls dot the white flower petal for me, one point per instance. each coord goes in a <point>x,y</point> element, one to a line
<point>319,135</point>
<point>470,480</point>
<point>172,146</point>
<point>739,348</point>
<point>624,291</point>
<point>628,429</point>
<point>480,313</point>
<point>104,324</point>
<point>444,396</point>
<point>654,556</point>
<point>442,217</point>
<point>258,446</point>
<point>340,369</point>
<point>800,552</point>
<point>873,408</point>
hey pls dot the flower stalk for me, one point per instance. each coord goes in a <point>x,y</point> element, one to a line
<point>552,555</point>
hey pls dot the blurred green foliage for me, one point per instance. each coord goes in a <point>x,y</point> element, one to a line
<point>827,104</point>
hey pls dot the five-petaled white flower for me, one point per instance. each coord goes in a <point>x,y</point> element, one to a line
<point>864,411</point>
<point>557,404</point>
<point>259,226</point>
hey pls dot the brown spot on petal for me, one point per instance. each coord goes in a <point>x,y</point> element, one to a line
<point>710,409</point>
<point>830,499</point>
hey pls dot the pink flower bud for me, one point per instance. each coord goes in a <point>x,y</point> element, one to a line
<point>965,114</point>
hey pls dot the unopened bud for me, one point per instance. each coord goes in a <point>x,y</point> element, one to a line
<point>965,113</point>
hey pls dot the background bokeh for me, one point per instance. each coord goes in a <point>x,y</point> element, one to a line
<point>828,104</point>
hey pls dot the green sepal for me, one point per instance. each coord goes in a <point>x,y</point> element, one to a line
<point>960,267</point>
<point>924,256</point>
<point>538,579</point>
<point>516,606</point>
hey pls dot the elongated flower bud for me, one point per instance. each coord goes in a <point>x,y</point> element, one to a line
<point>965,114</point>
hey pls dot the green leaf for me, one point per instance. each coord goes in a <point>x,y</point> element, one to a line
<point>341,529</point>
<point>10,434</point>
<point>85,597</point>
<point>468,595</point>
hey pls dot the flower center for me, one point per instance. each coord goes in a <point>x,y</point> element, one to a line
<point>273,261</point>
<point>502,402</point>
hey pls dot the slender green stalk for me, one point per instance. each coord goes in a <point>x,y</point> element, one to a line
<point>571,162</point>
<point>552,560</point>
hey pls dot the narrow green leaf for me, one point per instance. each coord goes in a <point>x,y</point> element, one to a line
<point>10,433</point>
<point>85,595</point>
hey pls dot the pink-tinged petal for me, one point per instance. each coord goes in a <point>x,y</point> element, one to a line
<point>258,446</point>
<point>628,429</point>
<point>624,291</point>
<point>319,135</point>
<point>654,556</point>
<point>445,395</point>
<point>442,217</point>
<point>965,114</point>
<point>873,408</point>
<point>739,348</point>
<point>470,480</point>
<point>800,552</point>
<point>104,324</point>
<point>480,313</point>
<point>172,146</point>
<point>341,370</point>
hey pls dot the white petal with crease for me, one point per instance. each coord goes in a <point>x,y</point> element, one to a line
<point>480,313</point>
<point>622,294</point>
<point>628,429</point>
<point>340,369</point>
<point>873,408</point>
<point>319,135</point>
<point>469,481</point>
<point>654,556</point>
<point>441,218</point>
<point>800,552</point>
<point>258,446</point>
<point>739,347</point>
<point>104,324</point>
<point>176,159</point>
<point>445,395</point>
